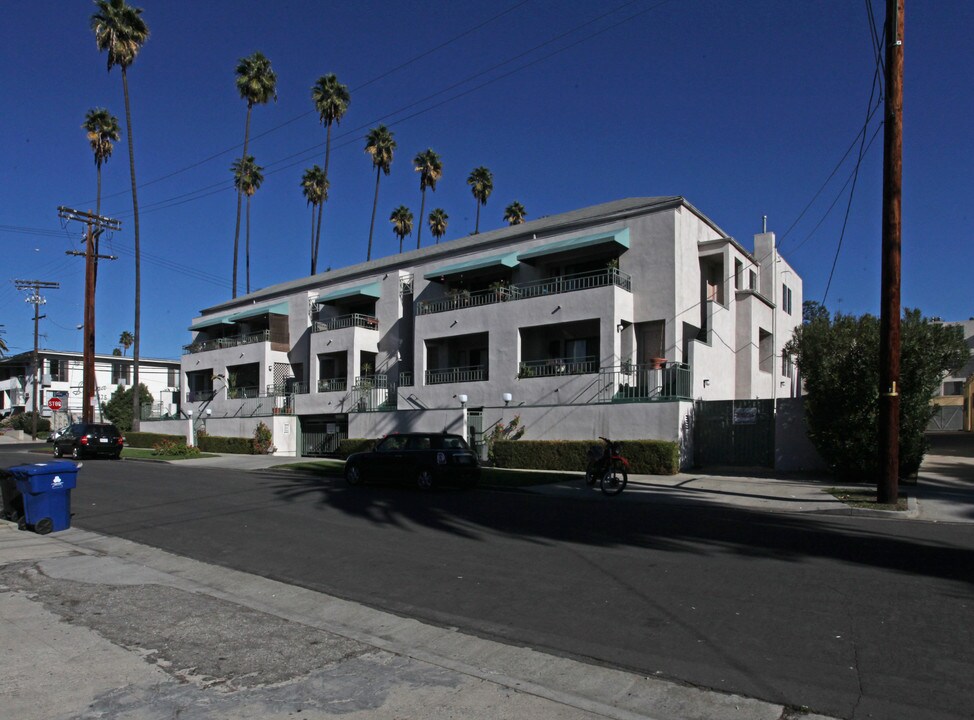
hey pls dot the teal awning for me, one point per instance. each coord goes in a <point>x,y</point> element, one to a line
<point>617,237</point>
<point>210,321</point>
<point>372,290</point>
<point>277,309</point>
<point>509,261</point>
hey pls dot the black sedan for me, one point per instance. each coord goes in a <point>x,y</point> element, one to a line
<point>426,459</point>
<point>89,440</point>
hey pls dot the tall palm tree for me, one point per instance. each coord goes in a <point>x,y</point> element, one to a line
<point>481,182</point>
<point>314,185</point>
<point>257,84</point>
<point>101,128</point>
<point>331,100</point>
<point>515,213</point>
<point>247,178</point>
<point>430,169</point>
<point>121,32</point>
<point>438,220</point>
<point>380,145</point>
<point>125,340</point>
<point>402,223</point>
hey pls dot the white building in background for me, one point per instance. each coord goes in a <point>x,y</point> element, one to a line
<point>606,321</point>
<point>60,375</point>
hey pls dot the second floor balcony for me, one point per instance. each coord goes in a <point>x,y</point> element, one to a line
<point>230,341</point>
<point>440,376</point>
<point>523,291</point>
<point>369,322</point>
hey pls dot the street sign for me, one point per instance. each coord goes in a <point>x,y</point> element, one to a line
<point>54,403</point>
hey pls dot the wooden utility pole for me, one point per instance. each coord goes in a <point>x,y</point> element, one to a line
<point>95,226</point>
<point>37,300</point>
<point>889,370</point>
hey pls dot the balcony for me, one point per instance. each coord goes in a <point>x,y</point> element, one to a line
<point>645,383</point>
<point>554,367</point>
<point>456,375</point>
<point>524,291</point>
<point>332,384</point>
<point>346,321</point>
<point>228,342</point>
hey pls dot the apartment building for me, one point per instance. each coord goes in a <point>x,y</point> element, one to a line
<point>59,374</point>
<point>605,321</point>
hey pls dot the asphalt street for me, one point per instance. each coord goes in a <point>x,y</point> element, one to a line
<point>850,616</point>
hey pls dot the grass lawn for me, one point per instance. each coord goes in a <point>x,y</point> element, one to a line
<point>489,477</point>
<point>143,453</point>
<point>865,498</point>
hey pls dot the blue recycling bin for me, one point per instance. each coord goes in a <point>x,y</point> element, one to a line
<point>46,492</point>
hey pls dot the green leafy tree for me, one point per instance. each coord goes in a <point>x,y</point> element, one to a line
<point>247,178</point>
<point>119,408</point>
<point>380,146</point>
<point>121,32</point>
<point>438,221</point>
<point>257,83</point>
<point>430,169</point>
<point>838,358</point>
<point>481,182</point>
<point>402,223</point>
<point>331,100</point>
<point>314,185</point>
<point>125,340</point>
<point>515,213</point>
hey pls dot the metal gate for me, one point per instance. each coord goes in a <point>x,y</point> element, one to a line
<point>737,433</point>
<point>320,438</point>
<point>947,417</point>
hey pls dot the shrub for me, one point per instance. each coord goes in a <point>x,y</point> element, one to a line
<point>25,422</point>
<point>174,446</point>
<point>646,457</point>
<point>263,439</point>
<point>150,440</point>
<point>231,445</point>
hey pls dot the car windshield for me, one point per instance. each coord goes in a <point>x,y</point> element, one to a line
<point>453,442</point>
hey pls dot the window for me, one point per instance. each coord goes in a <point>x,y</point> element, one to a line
<point>738,274</point>
<point>786,298</point>
<point>752,278</point>
<point>787,367</point>
<point>172,378</point>
<point>765,351</point>
<point>120,373</point>
<point>58,370</point>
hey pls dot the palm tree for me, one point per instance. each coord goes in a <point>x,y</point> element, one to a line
<point>121,32</point>
<point>430,169</point>
<point>438,222</point>
<point>257,84</point>
<point>380,145</point>
<point>515,213</point>
<point>315,189</point>
<point>331,100</point>
<point>125,340</point>
<point>102,130</point>
<point>402,223</point>
<point>247,177</point>
<point>481,182</point>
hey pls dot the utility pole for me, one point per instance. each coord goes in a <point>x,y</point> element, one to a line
<point>37,300</point>
<point>96,225</point>
<point>889,327</point>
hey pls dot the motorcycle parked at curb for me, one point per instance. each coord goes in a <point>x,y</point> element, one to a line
<point>608,467</point>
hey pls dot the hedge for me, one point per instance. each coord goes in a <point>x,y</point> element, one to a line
<point>149,439</point>
<point>231,445</point>
<point>353,445</point>
<point>646,457</point>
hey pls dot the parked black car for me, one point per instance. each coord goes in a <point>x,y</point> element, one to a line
<point>425,459</point>
<point>90,440</point>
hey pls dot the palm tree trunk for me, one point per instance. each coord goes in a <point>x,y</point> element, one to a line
<point>312,248</point>
<point>236,232</point>
<point>97,237</point>
<point>422,209</point>
<point>375,204</point>
<point>476,228</point>
<point>136,395</point>
<point>248,244</point>
<point>321,207</point>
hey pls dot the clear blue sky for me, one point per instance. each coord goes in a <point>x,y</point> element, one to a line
<point>742,107</point>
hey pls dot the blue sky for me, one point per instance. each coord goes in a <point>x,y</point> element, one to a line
<point>744,108</point>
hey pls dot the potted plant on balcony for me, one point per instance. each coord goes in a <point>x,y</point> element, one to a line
<point>499,289</point>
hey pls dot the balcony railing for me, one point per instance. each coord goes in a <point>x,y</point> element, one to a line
<point>405,378</point>
<point>333,384</point>
<point>552,367</point>
<point>240,393</point>
<point>227,342</point>
<point>250,406</point>
<point>199,395</point>
<point>456,375</point>
<point>645,383</point>
<point>368,322</point>
<point>523,291</point>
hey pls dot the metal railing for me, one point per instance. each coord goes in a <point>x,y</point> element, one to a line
<point>552,367</point>
<point>406,378</point>
<point>332,384</point>
<point>524,291</point>
<point>373,393</point>
<point>227,342</point>
<point>240,393</point>
<point>258,406</point>
<point>160,411</point>
<point>200,395</point>
<point>456,375</point>
<point>368,322</point>
<point>645,383</point>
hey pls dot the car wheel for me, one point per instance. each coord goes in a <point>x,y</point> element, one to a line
<point>353,475</point>
<point>75,453</point>
<point>57,451</point>
<point>424,480</point>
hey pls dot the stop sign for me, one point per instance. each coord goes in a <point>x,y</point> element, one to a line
<point>54,403</point>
